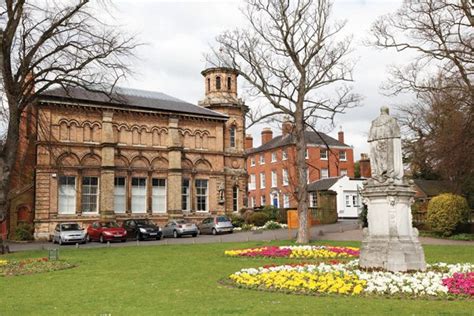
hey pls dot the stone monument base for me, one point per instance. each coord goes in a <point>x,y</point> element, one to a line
<point>390,243</point>
<point>392,253</point>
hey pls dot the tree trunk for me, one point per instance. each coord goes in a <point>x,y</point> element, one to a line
<point>301,189</point>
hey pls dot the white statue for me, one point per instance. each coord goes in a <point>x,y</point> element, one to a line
<point>385,148</point>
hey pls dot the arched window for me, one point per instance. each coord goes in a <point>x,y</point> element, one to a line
<point>235,198</point>
<point>232,136</point>
<point>229,83</point>
<point>208,84</point>
<point>218,83</point>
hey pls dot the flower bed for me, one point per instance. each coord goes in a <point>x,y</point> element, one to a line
<point>31,266</point>
<point>300,252</point>
<point>346,278</point>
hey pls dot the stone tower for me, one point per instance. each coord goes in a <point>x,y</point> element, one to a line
<point>221,96</point>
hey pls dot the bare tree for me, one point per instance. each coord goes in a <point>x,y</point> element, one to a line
<point>292,54</point>
<point>53,43</point>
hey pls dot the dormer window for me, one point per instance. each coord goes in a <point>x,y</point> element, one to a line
<point>218,83</point>
<point>229,83</point>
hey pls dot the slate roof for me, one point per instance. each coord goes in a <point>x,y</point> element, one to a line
<point>434,187</point>
<point>130,98</point>
<point>312,138</point>
<point>322,184</point>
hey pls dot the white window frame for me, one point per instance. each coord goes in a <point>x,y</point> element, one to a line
<point>324,173</point>
<point>139,199</point>
<point>306,154</point>
<point>252,161</point>
<point>120,196</point>
<point>96,195</point>
<point>313,199</point>
<point>263,200</point>
<point>274,179</point>
<point>232,136</point>
<point>252,182</point>
<point>262,180</point>
<point>284,154</point>
<point>285,177</point>
<point>67,195</point>
<point>343,172</point>
<point>286,200</point>
<point>274,156</point>
<point>200,195</point>
<point>159,203</point>
<point>186,196</point>
<point>344,156</point>
<point>323,154</point>
<point>235,198</point>
<point>262,159</point>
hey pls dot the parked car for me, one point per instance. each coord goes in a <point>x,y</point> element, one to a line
<point>178,228</point>
<point>215,225</point>
<point>69,233</point>
<point>142,229</point>
<point>106,231</point>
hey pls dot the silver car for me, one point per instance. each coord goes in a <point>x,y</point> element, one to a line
<point>178,228</point>
<point>69,233</point>
<point>215,225</point>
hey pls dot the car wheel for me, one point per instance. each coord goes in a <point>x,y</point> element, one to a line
<point>214,231</point>
<point>60,241</point>
<point>158,237</point>
<point>175,234</point>
<point>101,239</point>
<point>124,240</point>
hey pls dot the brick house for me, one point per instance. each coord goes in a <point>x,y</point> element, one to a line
<point>136,154</point>
<point>271,167</point>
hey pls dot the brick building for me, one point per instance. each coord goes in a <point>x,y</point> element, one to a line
<point>272,166</point>
<point>135,154</point>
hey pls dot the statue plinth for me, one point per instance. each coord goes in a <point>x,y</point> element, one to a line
<point>390,242</point>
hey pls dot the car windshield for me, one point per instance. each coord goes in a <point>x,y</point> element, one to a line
<point>109,224</point>
<point>144,222</point>
<point>221,219</point>
<point>68,227</point>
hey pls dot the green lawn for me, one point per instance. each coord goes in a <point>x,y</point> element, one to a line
<point>183,279</point>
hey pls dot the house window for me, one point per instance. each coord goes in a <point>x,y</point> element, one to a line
<point>284,155</point>
<point>185,197</point>
<point>262,180</point>
<point>342,155</point>
<point>348,200</point>
<point>262,159</point>
<point>263,201</point>
<point>235,198</point>
<point>90,193</point>
<point>286,200</point>
<point>285,177</point>
<point>306,154</point>
<point>313,199</point>
<point>67,195</point>
<point>275,200</point>
<point>323,154</point>
<point>274,179</point>
<point>252,202</point>
<point>355,200</point>
<point>201,195</point>
<point>343,172</point>
<point>232,136</point>
<point>324,173</point>
<point>274,156</point>
<point>252,161</point>
<point>229,83</point>
<point>252,182</point>
<point>138,195</point>
<point>218,83</point>
<point>158,195</point>
<point>119,195</point>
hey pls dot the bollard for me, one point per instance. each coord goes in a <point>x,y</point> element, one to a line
<point>194,241</point>
<point>77,245</point>
<point>248,238</point>
<point>108,244</point>
<point>138,242</point>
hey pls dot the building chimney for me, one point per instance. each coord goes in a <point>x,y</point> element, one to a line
<point>364,166</point>
<point>340,136</point>
<point>267,135</point>
<point>248,141</point>
<point>286,126</point>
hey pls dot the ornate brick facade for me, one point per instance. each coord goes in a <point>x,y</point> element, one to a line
<point>141,144</point>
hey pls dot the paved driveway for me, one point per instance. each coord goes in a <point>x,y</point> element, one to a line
<point>279,234</point>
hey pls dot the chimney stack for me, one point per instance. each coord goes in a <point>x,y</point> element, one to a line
<point>286,126</point>
<point>340,136</point>
<point>364,166</point>
<point>267,135</point>
<point>248,141</point>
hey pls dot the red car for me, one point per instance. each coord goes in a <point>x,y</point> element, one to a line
<point>106,231</point>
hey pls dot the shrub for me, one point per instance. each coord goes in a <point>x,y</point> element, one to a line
<point>246,227</point>
<point>23,231</point>
<point>445,212</point>
<point>247,216</point>
<point>237,220</point>
<point>272,225</point>
<point>258,219</point>
<point>271,211</point>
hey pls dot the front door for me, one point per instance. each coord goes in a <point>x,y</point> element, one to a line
<point>275,199</point>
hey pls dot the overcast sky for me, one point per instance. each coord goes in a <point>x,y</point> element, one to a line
<point>179,33</point>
